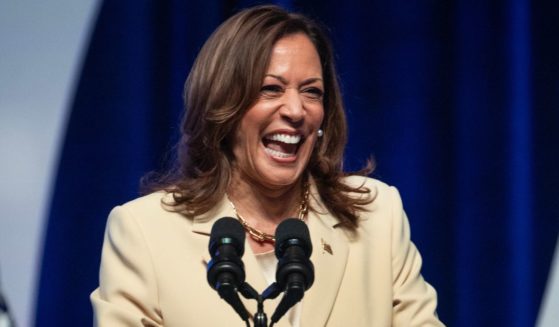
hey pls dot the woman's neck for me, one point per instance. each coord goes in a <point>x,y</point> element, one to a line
<point>264,208</point>
<point>257,202</point>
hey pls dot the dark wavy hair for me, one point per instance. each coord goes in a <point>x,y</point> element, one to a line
<point>223,83</point>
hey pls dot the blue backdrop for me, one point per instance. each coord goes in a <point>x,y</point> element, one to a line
<point>458,101</point>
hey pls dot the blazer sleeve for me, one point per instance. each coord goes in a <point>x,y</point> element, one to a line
<point>127,293</point>
<point>414,300</point>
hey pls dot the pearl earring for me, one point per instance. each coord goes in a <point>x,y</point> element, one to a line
<point>320,132</point>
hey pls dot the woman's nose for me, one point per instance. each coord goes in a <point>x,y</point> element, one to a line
<point>293,108</point>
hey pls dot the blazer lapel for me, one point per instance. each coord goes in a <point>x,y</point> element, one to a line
<point>330,252</point>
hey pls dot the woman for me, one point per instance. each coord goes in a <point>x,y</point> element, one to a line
<point>263,140</point>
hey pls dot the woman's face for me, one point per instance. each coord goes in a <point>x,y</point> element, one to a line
<point>276,136</point>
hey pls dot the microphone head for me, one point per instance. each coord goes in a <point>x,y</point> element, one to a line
<point>293,231</point>
<point>227,230</point>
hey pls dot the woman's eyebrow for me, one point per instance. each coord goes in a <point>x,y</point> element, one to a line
<point>311,80</point>
<point>280,78</point>
<point>305,82</point>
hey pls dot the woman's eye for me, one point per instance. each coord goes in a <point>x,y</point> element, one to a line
<point>271,89</point>
<point>314,93</point>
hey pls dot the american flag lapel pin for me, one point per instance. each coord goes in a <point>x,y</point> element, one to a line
<point>326,247</point>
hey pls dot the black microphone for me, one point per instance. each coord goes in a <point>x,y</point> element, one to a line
<point>226,269</point>
<point>295,271</point>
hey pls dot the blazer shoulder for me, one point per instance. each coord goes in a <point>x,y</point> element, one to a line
<point>358,180</point>
<point>385,203</point>
<point>149,208</point>
<point>378,190</point>
<point>159,200</point>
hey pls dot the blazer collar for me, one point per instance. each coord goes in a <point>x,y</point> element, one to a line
<point>330,252</point>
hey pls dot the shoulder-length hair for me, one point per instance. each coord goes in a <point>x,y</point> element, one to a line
<point>223,83</point>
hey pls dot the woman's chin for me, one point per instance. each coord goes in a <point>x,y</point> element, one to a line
<point>276,172</point>
<point>281,178</point>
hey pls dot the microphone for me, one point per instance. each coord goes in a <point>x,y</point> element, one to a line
<point>295,271</point>
<point>226,269</point>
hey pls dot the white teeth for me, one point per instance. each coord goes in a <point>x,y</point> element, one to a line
<point>285,138</point>
<point>277,153</point>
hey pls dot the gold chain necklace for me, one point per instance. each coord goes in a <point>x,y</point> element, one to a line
<point>258,235</point>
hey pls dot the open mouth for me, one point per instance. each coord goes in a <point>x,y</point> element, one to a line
<point>281,145</point>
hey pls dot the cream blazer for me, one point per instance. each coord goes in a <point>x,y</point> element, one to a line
<point>153,269</point>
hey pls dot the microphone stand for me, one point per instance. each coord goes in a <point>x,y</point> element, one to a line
<point>292,294</point>
<point>248,292</point>
<point>260,318</point>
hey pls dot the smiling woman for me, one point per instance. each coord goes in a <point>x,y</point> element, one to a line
<point>276,137</point>
<point>263,140</point>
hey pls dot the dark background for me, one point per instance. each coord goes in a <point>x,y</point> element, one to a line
<point>458,102</point>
